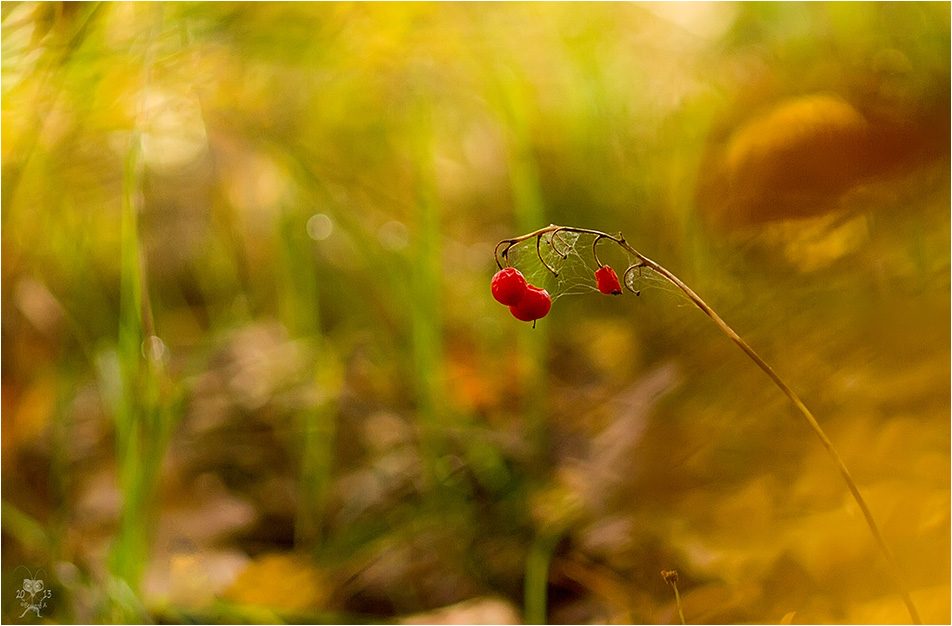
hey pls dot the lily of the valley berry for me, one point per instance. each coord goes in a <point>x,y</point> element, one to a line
<point>526,302</point>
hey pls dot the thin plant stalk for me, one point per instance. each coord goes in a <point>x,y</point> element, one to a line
<point>300,312</point>
<point>671,577</point>
<point>145,410</point>
<point>426,308</point>
<point>642,262</point>
<point>535,591</point>
<point>677,598</point>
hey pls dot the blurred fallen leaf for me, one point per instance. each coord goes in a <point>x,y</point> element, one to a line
<point>792,161</point>
<point>933,604</point>
<point>476,611</point>
<point>27,415</point>
<point>802,155</point>
<point>816,243</point>
<point>196,579</point>
<point>203,512</point>
<point>611,458</point>
<point>281,581</point>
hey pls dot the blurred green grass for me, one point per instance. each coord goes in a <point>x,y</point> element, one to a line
<point>299,203</point>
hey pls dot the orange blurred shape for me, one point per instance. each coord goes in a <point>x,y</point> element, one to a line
<point>27,412</point>
<point>800,157</point>
<point>280,581</point>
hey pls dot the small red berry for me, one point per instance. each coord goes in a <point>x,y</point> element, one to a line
<point>509,286</point>
<point>535,305</point>
<point>607,280</point>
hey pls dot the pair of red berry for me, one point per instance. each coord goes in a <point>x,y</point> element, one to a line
<point>529,303</point>
<point>526,302</point>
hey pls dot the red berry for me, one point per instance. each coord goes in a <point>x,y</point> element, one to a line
<point>509,286</point>
<point>534,305</point>
<point>607,280</point>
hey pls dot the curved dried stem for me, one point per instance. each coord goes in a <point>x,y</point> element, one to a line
<point>598,263</point>
<point>557,236</point>
<point>542,258</point>
<point>643,261</point>
<point>505,253</point>
<point>632,268</point>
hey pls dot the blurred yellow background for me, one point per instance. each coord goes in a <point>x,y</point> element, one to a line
<point>252,370</point>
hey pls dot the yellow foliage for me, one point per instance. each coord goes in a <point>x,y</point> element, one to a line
<point>280,581</point>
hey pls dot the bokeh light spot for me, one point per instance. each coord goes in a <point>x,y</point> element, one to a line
<point>319,227</point>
